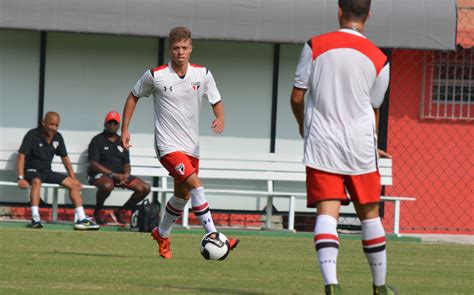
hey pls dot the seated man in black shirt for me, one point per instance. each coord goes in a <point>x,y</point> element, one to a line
<point>109,167</point>
<point>34,167</point>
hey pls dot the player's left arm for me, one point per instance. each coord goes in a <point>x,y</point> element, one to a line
<point>62,152</point>
<point>214,98</point>
<point>377,95</point>
<point>68,166</point>
<point>219,122</point>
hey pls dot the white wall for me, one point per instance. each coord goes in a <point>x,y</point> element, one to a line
<point>88,75</point>
<point>19,68</point>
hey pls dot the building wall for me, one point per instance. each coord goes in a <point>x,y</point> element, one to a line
<point>433,159</point>
<point>88,75</point>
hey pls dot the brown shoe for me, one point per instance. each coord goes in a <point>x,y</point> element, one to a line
<point>122,216</point>
<point>100,217</point>
<point>164,244</point>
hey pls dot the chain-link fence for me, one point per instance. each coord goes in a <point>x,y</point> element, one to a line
<point>431,134</point>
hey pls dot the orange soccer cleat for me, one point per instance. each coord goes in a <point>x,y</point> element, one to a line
<point>233,243</point>
<point>164,244</point>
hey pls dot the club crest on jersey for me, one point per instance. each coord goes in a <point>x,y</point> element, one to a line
<point>196,85</point>
<point>180,168</point>
<point>120,148</point>
<point>55,144</point>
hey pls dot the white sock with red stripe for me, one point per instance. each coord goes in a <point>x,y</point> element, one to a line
<point>174,209</point>
<point>326,242</point>
<point>373,243</point>
<point>201,209</point>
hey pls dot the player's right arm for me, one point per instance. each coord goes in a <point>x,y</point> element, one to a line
<point>128,110</point>
<point>25,149</point>
<point>300,85</point>
<point>20,167</point>
<point>143,87</point>
<point>297,106</point>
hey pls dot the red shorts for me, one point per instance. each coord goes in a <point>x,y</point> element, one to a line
<point>324,186</point>
<point>180,165</point>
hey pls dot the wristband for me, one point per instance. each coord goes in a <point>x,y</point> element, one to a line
<point>20,177</point>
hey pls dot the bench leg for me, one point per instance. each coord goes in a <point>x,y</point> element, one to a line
<point>55,205</point>
<point>185,216</point>
<point>163,205</point>
<point>396,221</point>
<point>291,214</point>
<point>164,184</point>
<point>268,221</point>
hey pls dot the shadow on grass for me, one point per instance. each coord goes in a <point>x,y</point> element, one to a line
<point>209,290</point>
<point>82,254</point>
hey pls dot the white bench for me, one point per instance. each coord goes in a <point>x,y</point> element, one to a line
<point>268,168</point>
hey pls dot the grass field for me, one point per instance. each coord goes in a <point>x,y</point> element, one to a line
<point>58,260</point>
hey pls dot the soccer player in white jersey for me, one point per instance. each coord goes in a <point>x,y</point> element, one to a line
<point>178,89</point>
<point>347,77</point>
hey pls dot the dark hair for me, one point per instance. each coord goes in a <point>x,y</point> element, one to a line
<point>355,9</point>
<point>179,34</point>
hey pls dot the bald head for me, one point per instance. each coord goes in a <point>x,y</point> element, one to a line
<point>50,115</point>
<point>50,124</point>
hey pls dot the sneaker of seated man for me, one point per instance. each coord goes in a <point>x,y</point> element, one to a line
<point>109,167</point>
<point>35,155</point>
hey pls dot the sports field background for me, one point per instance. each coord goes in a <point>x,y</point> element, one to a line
<point>59,260</point>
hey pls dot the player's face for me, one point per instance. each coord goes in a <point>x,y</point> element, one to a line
<point>111,126</point>
<point>51,125</point>
<point>180,52</point>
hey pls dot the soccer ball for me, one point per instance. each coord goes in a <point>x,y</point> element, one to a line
<point>215,246</point>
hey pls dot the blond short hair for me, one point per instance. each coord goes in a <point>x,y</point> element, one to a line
<point>179,34</point>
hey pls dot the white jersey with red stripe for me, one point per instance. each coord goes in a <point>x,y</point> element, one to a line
<point>347,77</point>
<point>177,102</point>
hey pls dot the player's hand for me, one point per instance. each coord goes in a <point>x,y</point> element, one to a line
<point>23,184</point>
<point>217,125</point>
<point>120,178</point>
<point>383,154</point>
<point>125,140</point>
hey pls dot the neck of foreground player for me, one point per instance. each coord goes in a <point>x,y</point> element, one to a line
<point>351,25</point>
<point>180,70</point>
